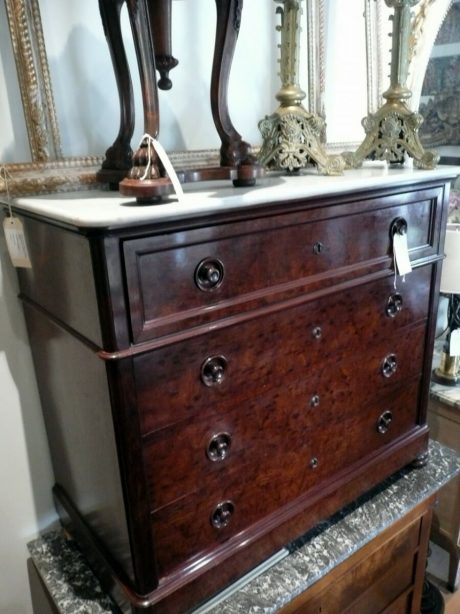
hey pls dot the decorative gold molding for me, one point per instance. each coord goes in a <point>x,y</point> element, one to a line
<point>34,79</point>
<point>316,39</point>
<point>68,174</point>
<point>375,54</point>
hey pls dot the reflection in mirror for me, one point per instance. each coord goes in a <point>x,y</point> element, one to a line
<point>14,143</point>
<point>84,84</point>
<point>82,73</point>
<point>354,65</point>
<point>87,103</point>
<point>440,97</point>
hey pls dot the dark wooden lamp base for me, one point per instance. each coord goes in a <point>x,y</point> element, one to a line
<point>152,190</point>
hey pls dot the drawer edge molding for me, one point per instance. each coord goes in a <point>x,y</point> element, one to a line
<point>389,461</point>
<point>171,339</point>
<point>213,326</point>
<point>305,290</point>
<point>307,500</point>
<point>316,506</point>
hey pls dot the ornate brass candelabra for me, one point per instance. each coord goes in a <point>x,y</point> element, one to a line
<point>392,132</point>
<point>292,135</point>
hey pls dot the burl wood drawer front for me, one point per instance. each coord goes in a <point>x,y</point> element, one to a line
<point>280,466</point>
<point>269,353</point>
<point>192,277</point>
<point>255,438</point>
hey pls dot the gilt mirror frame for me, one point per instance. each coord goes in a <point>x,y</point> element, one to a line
<point>49,171</point>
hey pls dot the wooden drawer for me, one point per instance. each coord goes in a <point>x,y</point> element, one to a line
<point>263,433</point>
<point>264,261</point>
<point>274,351</point>
<point>381,583</point>
<point>271,469</point>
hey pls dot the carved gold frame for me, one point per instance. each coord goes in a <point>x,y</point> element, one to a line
<point>34,78</point>
<point>49,171</point>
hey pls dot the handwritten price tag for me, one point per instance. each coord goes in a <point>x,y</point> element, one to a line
<point>401,252</point>
<point>16,243</point>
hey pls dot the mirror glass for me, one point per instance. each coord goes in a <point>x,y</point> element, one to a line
<point>14,145</point>
<point>346,71</point>
<point>346,76</point>
<point>84,85</point>
<point>440,96</point>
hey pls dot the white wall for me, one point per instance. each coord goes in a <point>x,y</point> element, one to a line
<point>25,469</point>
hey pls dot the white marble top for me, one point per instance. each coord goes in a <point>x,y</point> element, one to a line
<point>98,209</point>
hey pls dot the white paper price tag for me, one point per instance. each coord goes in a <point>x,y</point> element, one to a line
<point>16,242</point>
<point>158,147</point>
<point>401,253</point>
<point>454,346</point>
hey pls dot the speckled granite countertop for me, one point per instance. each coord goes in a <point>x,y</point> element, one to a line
<point>76,591</point>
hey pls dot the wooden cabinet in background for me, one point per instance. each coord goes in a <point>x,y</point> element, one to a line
<point>444,423</point>
<point>386,576</point>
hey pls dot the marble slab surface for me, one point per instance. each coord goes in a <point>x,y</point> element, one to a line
<point>75,590</point>
<point>109,209</point>
<point>67,576</point>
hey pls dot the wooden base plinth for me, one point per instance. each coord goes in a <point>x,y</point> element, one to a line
<point>151,191</point>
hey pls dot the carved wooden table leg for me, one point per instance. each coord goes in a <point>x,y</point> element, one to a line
<point>145,180</point>
<point>118,158</point>
<point>160,25</point>
<point>234,151</point>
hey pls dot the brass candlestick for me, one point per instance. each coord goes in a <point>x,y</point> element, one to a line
<point>392,132</point>
<point>292,135</point>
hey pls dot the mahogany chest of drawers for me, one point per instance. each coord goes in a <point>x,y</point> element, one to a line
<point>213,385</point>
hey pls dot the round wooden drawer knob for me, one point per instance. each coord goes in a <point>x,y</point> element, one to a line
<point>222,515</point>
<point>394,305</point>
<point>317,332</point>
<point>384,422</point>
<point>389,365</point>
<point>213,370</point>
<point>209,274</point>
<point>219,447</point>
<point>315,400</point>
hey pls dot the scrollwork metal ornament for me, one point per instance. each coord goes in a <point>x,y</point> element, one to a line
<point>292,135</point>
<point>392,132</point>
